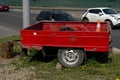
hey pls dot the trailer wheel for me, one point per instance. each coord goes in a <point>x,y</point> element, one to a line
<point>71,57</point>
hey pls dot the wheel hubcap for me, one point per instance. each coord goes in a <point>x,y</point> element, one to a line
<point>70,57</point>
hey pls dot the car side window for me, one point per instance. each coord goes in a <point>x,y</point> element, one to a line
<point>52,17</point>
<point>95,11</point>
<point>44,15</point>
<point>60,17</point>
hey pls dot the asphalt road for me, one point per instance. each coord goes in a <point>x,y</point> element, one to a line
<point>115,34</point>
<point>13,19</point>
<point>11,24</point>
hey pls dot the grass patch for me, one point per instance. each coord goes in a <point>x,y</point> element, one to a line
<point>44,68</point>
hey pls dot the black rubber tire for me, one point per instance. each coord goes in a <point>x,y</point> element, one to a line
<point>85,19</point>
<point>71,57</point>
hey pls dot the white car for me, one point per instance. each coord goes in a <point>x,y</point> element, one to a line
<point>103,14</point>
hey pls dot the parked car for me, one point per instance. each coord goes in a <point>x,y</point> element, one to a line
<point>4,7</point>
<point>103,14</point>
<point>56,15</point>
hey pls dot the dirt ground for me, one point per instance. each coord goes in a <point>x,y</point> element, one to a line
<point>8,70</point>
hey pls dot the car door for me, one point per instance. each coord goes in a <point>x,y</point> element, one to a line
<point>94,15</point>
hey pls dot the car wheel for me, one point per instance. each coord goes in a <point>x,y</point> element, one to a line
<point>71,57</point>
<point>85,19</point>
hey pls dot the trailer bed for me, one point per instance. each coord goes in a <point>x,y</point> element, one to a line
<point>77,35</point>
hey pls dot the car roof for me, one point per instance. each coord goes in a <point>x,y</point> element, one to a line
<point>54,11</point>
<point>99,8</point>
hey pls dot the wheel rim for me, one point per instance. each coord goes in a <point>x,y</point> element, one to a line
<point>70,56</point>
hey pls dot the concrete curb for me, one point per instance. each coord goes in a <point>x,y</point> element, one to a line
<point>51,8</point>
<point>56,8</point>
<point>38,9</point>
<point>115,50</point>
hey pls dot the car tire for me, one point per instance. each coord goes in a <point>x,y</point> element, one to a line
<point>85,19</point>
<point>71,57</point>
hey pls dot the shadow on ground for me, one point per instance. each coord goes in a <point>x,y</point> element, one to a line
<point>116,27</point>
<point>39,57</point>
<point>100,57</point>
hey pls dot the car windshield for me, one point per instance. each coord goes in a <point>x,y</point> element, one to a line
<point>70,18</point>
<point>109,11</point>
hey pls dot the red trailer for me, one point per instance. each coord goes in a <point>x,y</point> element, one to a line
<point>72,39</point>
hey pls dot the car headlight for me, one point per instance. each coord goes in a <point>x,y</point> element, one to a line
<point>116,18</point>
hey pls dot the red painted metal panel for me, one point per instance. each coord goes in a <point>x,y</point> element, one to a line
<point>84,36</point>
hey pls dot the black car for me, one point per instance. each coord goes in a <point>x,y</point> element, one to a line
<point>55,15</point>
